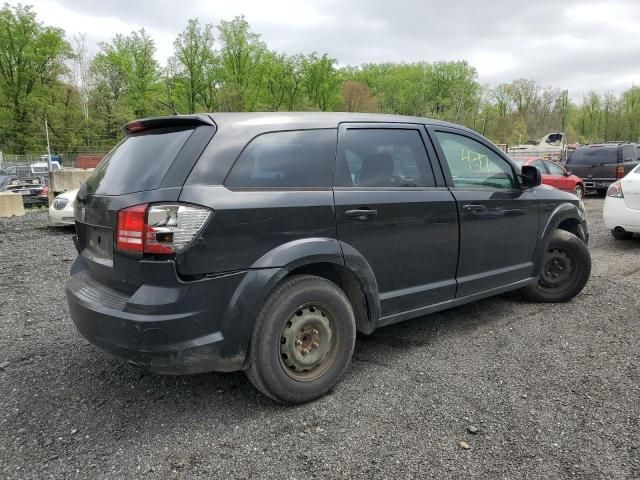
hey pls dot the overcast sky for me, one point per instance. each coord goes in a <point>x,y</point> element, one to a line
<point>574,44</point>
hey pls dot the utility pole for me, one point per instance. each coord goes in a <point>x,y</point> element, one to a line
<point>46,129</point>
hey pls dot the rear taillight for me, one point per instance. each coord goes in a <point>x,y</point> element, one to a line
<point>130,229</point>
<point>159,229</point>
<point>615,190</point>
<point>620,171</point>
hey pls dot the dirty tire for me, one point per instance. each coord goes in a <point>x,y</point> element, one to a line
<point>273,370</point>
<point>570,254</point>
<point>621,234</point>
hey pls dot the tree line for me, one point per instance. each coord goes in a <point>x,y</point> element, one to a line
<point>86,99</point>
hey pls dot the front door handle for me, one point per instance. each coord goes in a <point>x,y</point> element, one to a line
<point>361,213</point>
<point>473,207</point>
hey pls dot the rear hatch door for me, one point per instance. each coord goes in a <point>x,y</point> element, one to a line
<point>149,165</point>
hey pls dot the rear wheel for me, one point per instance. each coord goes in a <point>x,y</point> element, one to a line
<point>578,191</point>
<point>565,270</point>
<point>302,341</point>
<point>621,234</point>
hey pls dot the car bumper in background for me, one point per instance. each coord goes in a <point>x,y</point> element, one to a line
<point>168,328</point>
<point>617,214</point>
<point>62,217</point>
<point>597,184</point>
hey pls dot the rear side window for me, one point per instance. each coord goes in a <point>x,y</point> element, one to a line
<point>293,159</point>
<point>378,157</point>
<point>138,163</point>
<point>594,156</point>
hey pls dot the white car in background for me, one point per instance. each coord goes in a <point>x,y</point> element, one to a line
<point>622,206</point>
<point>61,209</point>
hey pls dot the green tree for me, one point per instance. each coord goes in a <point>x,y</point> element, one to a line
<point>242,58</point>
<point>126,70</point>
<point>321,81</point>
<point>32,61</point>
<point>196,63</point>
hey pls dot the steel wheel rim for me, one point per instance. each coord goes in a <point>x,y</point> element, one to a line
<point>578,191</point>
<point>558,272</point>
<point>307,342</point>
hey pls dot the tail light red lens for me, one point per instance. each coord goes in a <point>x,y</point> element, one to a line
<point>130,229</point>
<point>159,229</point>
<point>620,171</point>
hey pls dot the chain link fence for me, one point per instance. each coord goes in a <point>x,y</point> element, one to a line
<point>85,158</point>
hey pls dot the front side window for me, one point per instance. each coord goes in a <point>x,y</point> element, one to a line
<point>293,159</point>
<point>383,158</point>
<point>472,165</point>
<point>554,169</point>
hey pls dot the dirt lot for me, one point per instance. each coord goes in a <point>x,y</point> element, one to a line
<point>551,391</point>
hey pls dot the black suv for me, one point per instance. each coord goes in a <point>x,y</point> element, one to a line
<point>599,165</point>
<point>264,241</point>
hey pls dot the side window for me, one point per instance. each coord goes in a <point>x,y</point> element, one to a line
<point>628,155</point>
<point>554,169</point>
<point>541,166</point>
<point>378,157</point>
<point>293,159</point>
<point>473,165</point>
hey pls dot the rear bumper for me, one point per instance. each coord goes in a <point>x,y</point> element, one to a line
<point>597,184</point>
<point>172,327</point>
<point>617,214</point>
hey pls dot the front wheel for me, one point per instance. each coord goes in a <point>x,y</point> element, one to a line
<point>302,341</point>
<point>566,268</point>
<point>578,191</point>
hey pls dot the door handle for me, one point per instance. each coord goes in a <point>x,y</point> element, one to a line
<point>361,213</point>
<point>473,207</point>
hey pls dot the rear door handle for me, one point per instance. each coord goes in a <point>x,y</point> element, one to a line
<point>361,213</point>
<point>473,207</point>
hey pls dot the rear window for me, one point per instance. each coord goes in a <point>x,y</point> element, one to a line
<point>138,163</point>
<point>593,156</point>
<point>293,159</point>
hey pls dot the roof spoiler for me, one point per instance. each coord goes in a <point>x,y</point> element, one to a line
<point>168,121</point>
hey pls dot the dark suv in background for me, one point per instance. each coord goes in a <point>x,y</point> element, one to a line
<point>264,241</point>
<point>599,165</point>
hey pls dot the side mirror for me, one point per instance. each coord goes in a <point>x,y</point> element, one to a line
<point>531,176</point>
<point>568,173</point>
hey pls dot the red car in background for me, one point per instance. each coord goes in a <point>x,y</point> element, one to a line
<point>555,175</point>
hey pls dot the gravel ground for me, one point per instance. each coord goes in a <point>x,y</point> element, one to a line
<point>535,391</point>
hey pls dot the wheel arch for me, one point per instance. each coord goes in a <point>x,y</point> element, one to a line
<point>565,216</point>
<point>319,256</point>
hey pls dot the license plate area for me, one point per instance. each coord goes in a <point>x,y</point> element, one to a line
<point>100,242</point>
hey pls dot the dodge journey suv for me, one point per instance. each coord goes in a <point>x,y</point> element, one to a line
<point>264,241</point>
